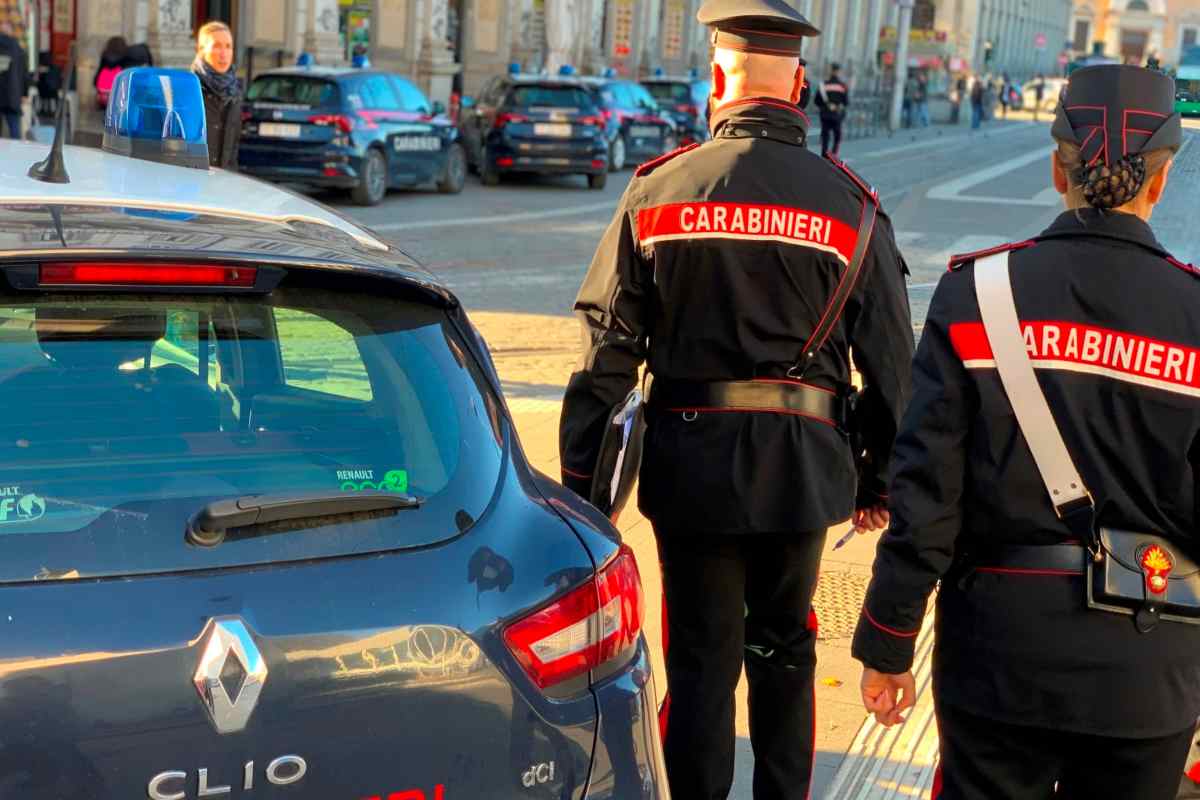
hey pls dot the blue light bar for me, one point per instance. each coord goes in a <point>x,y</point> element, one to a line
<point>659,72</point>
<point>610,72</point>
<point>157,114</point>
<point>566,70</point>
<point>514,68</point>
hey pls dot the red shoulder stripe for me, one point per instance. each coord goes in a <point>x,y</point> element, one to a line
<point>1191,269</point>
<point>959,260</point>
<point>857,179</point>
<point>654,163</point>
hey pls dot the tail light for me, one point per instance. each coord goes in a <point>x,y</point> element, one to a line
<point>340,121</point>
<point>606,113</point>
<point>506,118</point>
<point>595,122</point>
<point>505,161</point>
<point>145,274</point>
<point>593,625</point>
<point>687,109</point>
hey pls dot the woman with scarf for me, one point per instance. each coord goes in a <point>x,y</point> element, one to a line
<point>222,92</point>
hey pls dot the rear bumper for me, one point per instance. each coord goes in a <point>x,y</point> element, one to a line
<point>628,763</point>
<point>308,177</point>
<point>550,166</point>
<point>589,158</point>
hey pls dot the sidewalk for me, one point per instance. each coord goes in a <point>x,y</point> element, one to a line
<point>533,377</point>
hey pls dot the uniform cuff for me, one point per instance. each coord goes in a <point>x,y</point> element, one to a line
<point>882,647</point>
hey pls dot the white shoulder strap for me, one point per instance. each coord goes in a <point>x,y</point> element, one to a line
<point>993,289</point>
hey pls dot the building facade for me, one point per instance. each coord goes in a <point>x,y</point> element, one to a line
<point>1135,30</point>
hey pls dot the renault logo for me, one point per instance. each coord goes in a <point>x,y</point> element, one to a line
<point>231,673</point>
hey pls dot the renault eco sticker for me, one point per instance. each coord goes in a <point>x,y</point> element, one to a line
<point>18,506</point>
<point>361,480</point>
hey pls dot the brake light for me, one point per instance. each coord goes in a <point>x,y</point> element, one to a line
<point>341,121</point>
<point>145,274</point>
<point>688,109</point>
<point>596,122</point>
<point>592,625</point>
<point>606,113</point>
<point>506,118</point>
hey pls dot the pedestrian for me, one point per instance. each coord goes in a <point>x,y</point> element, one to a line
<point>222,90</point>
<point>833,98</point>
<point>112,62</point>
<point>1039,94</point>
<point>1057,510</point>
<point>746,456</point>
<point>921,100</point>
<point>1005,90</point>
<point>909,107</point>
<point>977,99</point>
<point>957,95</point>
<point>14,80</point>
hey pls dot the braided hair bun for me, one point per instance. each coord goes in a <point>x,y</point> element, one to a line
<point>1107,187</point>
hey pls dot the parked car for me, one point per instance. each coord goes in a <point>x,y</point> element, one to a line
<point>539,125</point>
<point>266,526</point>
<point>686,101</point>
<point>361,130</point>
<point>636,127</point>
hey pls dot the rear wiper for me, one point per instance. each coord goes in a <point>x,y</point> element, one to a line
<point>258,514</point>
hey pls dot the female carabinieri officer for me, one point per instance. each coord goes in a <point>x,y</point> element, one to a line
<point>1046,474</point>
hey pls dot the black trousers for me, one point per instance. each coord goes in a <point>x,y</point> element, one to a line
<point>831,129</point>
<point>987,760</point>
<point>729,601</point>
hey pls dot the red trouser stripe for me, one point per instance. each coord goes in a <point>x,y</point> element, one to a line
<point>664,710</point>
<point>937,784</point>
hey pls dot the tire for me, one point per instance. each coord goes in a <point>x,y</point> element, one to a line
<point>488,174</point>
<point>455,176</point>
<point>617,152</point>
<point>372,182</point>
<point>598,181</point>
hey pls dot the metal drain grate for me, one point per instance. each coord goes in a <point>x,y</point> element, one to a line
<point>838,602</point>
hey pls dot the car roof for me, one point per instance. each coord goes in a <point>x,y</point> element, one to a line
<point>331,73</point>
<point>548,80</point>
<point>116,204</point>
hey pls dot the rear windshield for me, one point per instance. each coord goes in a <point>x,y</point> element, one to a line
<point>670,93</point>
<point>294,90</point>
<point>551,97</point>
<point>127,414</point>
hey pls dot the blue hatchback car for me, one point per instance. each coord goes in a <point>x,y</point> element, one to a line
<point>266,526</point>
<point>366,131</point>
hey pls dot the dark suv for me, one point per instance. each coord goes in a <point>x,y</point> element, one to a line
<point>686,101</point>
<point>348,129</point>
<point>636,127</point>
<point>531,124</point>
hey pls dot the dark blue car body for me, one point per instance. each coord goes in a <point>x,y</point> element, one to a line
<point>384,649</point>
<point>362,130</point>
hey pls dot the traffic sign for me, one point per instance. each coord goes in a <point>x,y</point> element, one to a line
<point>1039,41</point>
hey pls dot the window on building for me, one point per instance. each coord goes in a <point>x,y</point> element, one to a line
<point>1083,34</point>
<point>923,15</point>
<point>1137,5</point>
<point>1190,37</point>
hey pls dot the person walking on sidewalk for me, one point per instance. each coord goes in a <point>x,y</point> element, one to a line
<point>1058,507</point>
<point>14,80</point>
<point>833,98</point>
<point>747,459</point>
<point>222,92</point>
<point>921,100</point>
<point>977,100</point>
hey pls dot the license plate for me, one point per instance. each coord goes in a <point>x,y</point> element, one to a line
<point>644,132</point>
<point>411,144</point>
<point>282,130</point>
<point>551,129</point>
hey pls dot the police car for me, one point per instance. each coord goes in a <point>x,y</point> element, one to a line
<point>266,528</point>
<point>360,130</point>
<point>636,128</point>
<point>685,100</point>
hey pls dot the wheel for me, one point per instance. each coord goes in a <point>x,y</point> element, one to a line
<point>372,182</point>
<point>455,176</point>
<point>616,154</point>
<point>598,181</point>
<point>488,174</point>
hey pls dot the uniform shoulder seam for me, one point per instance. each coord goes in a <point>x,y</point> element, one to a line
<point>854,177</point>
<point>655,163</point>
<point>1190,269</point>
<point>957,262</point>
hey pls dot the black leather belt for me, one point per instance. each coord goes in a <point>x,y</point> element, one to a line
<point>762,396</point>
<point>1052,559</point>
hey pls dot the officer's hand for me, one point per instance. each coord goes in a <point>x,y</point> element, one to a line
<point>888,696</point>
<point>871,519</point>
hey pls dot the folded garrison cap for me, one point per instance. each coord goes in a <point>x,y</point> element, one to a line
<point>770,27</point>
<point>1113,110</point>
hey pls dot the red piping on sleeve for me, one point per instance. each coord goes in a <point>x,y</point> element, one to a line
<point>886,629</point>
<point>574,474</point>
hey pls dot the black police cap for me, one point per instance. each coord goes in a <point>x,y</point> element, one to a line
<point>1112,111</point>
<point>770,27</point>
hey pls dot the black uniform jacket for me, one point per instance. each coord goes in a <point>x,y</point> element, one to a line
<point>14,80</point>
<point>1111,323</point>
<point>832,99</point>
<point>718,265</point>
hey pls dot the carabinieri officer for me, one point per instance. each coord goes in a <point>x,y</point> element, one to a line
<point>1042,675</point>
<point>745,271</point>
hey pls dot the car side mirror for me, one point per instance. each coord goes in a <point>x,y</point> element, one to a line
<point>439,108</point>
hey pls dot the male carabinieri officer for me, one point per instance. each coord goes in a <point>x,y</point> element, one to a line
<point>833,97</point>
<point>728,267</point>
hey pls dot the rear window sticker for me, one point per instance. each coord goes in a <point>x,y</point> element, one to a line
<point>18,506</point>
<point>360,480</point>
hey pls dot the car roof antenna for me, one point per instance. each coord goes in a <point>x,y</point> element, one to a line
<point>52,169</point>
